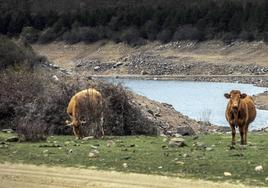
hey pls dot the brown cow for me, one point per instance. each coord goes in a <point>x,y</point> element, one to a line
<point>240,112</point>
<point>84,106</point>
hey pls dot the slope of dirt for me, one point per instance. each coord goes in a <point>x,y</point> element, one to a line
<point>30,176</point>
<point>185,58</point>
<point>261,101</point>
<point>172,121</point>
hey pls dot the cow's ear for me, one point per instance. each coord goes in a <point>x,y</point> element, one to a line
<point>243,95</point>
<point>227,95</point>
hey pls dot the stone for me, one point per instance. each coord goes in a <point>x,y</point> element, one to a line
<point>125,157</point>
<point>95,151</point>
<point>200,145</point>
<point>227,174</point>
<point>110,143</point>
<point>185,131</point>
<point>7,131</point>
<point>88,138</point>
<point>92,155</point>
<point>185,155</point>
<point>125,165</point>
<point>13,139</point>
<point>180,162</point>
<point>177,142</point>
<point>96,68</point>
<point>143,72</point>
<point>259,168</point>
<point>177,135</point>
<point>209,149</point>
<point>94,147</point>
<point>70,151</point>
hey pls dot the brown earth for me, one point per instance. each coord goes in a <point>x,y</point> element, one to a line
<point>30,176</point>
<point>170,120</point>
<point>261,101</point>
<point>216,52</point>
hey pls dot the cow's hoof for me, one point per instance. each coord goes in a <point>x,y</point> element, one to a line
<point>232,147</point>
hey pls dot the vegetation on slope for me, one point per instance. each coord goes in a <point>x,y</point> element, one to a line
<point>135,21</point>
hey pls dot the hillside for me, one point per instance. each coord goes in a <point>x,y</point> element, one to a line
<point>135,21</point>
<point>177,58</point>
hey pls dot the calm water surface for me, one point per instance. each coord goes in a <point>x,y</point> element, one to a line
<point>198,100</point>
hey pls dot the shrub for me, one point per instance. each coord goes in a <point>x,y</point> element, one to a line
<point>131,36</point>
<point>265,37</point>
<point>188,32</point>
<point>165,36</point>
<point>47,36</point>
<point>246,36</point>
<point>36,105</point>
<point>12,54</point>
<point>229,37</point>
<point>30,34</point>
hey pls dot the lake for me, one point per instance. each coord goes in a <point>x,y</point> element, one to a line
<point>198,100</point>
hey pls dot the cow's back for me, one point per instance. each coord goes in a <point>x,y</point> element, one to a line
<point>89,101</point>
<point>251,109</point>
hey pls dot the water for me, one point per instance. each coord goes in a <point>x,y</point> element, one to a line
<point>198,100</point>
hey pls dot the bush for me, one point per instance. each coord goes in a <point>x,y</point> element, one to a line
<point>12,54</point>
<point>246,36</point>
<point>188,32</point>
<point>131,36</point>
<point>85,34</point>
<point>47,36</point>
<point>30,34</point>
<point>37,105</point>
<point>229,37</point>
<point>265,37</point>
<point>165,36</point>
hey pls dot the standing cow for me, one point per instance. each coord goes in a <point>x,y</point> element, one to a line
<point>86,106</point>
<point>240,112</point>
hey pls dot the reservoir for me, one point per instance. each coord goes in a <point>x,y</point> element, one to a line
<point>198,100</point>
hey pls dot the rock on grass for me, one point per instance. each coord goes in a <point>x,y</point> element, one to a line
<point>177,142</point>
<point>259,168</point>
<point>13,139</point>
<point>227,174</point>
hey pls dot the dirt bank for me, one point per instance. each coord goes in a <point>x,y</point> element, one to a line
<point>170,120</point>
<point>214,52</point>
<point>261,101</point>
<point>206,61</point>
<point>30,176</point>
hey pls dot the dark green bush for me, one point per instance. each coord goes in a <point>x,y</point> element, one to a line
<point>15,54</point>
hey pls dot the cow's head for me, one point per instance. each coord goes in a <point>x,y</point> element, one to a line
<point>235,96</point>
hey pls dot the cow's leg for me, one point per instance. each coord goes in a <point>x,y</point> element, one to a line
<point>101,125</point>
<point>242,134</point>
<point>233,134</point>
<point>77,132</point>
<point>246,134</point>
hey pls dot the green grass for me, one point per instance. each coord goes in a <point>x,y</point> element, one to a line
<point>151,155</point>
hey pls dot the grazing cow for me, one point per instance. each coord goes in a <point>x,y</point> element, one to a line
<point>240,112</point>
<point>86,106</point>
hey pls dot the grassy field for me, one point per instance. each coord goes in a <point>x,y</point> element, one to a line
<point>205,157</point>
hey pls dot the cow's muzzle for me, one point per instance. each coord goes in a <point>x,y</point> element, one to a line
<point>69,123</point>
<point>235,109</point>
